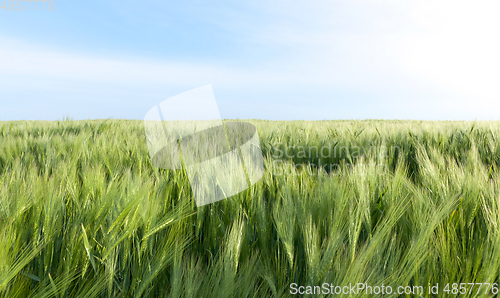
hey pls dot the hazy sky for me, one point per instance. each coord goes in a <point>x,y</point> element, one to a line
<point>268,59</point>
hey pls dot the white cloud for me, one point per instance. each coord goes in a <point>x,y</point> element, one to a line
<point>456,47</point>
<point>27,59</point>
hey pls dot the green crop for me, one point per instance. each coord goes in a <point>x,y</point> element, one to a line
<point>84,213</point>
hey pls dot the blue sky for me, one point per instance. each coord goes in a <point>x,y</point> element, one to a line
<point>432,60</point>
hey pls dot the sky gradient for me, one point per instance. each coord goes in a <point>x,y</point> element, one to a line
<point>277,60</point>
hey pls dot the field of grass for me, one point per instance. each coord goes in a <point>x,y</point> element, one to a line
<point>83,213</point>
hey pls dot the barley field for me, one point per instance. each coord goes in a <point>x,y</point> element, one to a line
<point>84,213</point>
